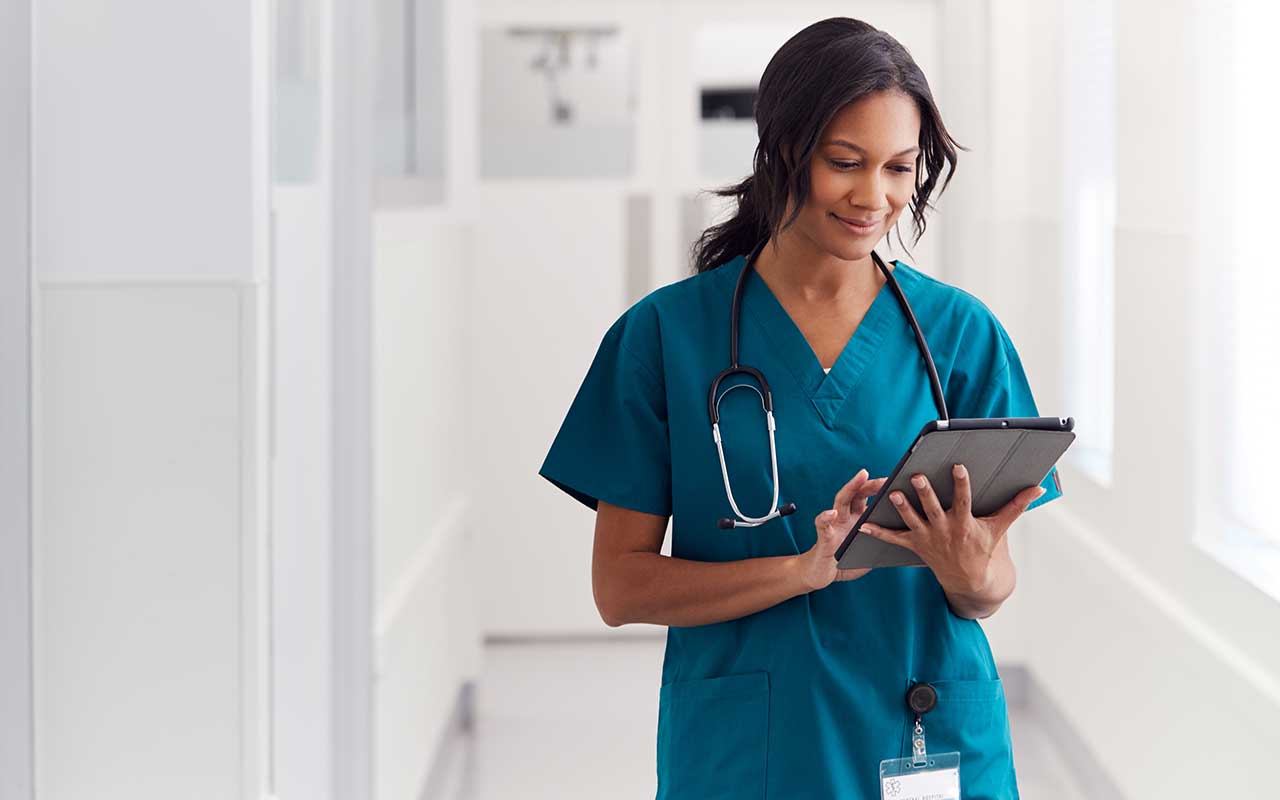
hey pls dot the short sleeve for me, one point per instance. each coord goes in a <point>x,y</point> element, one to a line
<point>613,444</point>
<point>1008,394</point>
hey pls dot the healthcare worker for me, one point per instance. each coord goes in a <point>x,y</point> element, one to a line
<point>783,676</point>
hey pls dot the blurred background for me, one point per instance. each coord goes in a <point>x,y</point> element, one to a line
<point>295,295</point>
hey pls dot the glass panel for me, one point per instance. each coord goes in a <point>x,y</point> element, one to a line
<point>556,102</point>
<point>409,101</point>
<point>297,92</point>
<point>728,60</point>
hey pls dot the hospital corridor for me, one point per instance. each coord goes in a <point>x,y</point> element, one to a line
<point>612,399</point>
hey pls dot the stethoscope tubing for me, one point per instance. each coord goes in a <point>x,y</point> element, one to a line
<point>714,396</point>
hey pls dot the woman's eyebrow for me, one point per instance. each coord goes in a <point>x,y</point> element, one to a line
<point>853,146</point>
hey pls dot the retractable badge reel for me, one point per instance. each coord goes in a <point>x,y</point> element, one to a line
<point>923,775</point>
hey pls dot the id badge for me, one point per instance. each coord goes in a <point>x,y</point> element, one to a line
<point>936,777</point>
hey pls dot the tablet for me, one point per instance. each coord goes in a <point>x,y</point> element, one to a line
<point>1003,456</point>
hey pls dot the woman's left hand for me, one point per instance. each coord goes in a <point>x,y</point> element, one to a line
<point>959,547</point>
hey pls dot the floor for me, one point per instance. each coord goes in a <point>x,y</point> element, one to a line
<point>577,720</point>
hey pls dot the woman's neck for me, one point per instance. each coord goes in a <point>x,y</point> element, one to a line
<point>798,269</point>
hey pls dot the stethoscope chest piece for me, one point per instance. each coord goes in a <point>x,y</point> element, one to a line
<point>714,396</point>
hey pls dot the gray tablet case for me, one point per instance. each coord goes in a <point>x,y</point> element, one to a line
<point>1003,458</point>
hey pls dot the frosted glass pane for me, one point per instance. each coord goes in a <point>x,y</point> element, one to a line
<point>556,102</point>
<point>409,100</point>
<point>296,104</point>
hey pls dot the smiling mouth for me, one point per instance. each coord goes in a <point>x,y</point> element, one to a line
<point>857,225</point>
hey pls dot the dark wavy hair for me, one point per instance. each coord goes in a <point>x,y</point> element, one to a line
<point>817,72</point>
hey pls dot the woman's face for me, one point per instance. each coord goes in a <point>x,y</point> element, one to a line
<point>863,170</point>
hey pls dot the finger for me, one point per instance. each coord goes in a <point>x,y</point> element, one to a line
<point>844,497</point>
<point>1015,507</point>
<point>928,500</point>
<point>906,511</point>
<point>864,493</point>
<point>899,538</point>
<point>851,574</point>
<point>823,522</point>
<point>962,505</point>
<point>829,536</point>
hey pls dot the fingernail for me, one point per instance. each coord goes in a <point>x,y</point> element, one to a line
<point>918,481</point>
<point>896,497</point>
<point>958,471</point>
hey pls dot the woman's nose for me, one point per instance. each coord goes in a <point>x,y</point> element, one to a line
<point>869,192</point>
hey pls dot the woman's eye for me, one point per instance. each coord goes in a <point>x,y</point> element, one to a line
<point>852,164</point>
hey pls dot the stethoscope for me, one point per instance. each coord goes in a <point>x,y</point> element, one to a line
<point>766,396</point>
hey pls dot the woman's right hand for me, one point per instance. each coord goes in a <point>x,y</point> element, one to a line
<point>818,565</point>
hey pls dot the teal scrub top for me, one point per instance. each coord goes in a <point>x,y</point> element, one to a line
<point>804,699</point>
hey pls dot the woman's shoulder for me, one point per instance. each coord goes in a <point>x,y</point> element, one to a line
<point>959,316</point>
<point>690,297</point>
<point>952,299</point>
<point>696,287</point>
<point>677,309</point>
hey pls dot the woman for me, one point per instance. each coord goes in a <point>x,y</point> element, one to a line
<point>785,677</point>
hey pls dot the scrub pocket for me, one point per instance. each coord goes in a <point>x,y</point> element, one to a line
<point>972,717</point>
<point>713,737</point>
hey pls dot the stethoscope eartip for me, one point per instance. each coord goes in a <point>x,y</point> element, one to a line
<point>726,524</point>
<point>789,508</point>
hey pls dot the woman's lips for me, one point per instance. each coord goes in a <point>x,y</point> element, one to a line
<point>855,227</point>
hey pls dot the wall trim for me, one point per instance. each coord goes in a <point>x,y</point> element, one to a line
<point>1136,578</point>
<point>351,467</point>
<point>1088,773</point>
<point>453,753</point>
<point>447,528</point>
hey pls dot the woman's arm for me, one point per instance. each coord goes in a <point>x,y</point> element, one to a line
<point>983,602</point>
<point>633,582</point>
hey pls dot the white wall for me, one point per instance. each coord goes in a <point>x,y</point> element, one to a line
<point>426,635</point>
<point>426,561</point>
<point>15,402</point>
<point>149,243</point>
<point>1166,663</point>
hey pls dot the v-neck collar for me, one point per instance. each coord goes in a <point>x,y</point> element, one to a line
<point>827,391</point>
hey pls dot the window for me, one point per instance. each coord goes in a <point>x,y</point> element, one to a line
<point>1238,297</point>
<point>1088,240</point>
<point>409,116</point>
<point>1252,336</point>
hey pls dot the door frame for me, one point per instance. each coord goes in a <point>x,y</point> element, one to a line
<point>352,365</point>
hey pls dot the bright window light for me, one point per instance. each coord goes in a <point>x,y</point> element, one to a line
<point>1088,241</point>
<point>1252,328</point>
